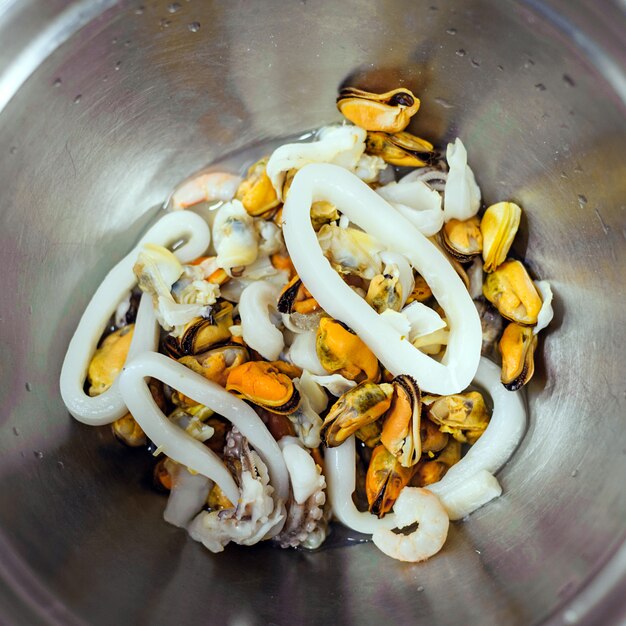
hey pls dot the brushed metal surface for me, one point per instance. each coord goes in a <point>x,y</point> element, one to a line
<point>122,100</point>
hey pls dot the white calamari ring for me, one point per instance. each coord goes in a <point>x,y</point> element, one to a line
<point>109,406</point>
<point>176,443</point>
<point>368,210</point>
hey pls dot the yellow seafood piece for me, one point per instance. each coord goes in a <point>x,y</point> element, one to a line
<point>202,333</point>
<point>323,212</point>
<point>499,227</point>
<point>295,297</point>
<point>384,480</point>
<point>421,291</point>
<point>462,239</point>
<point>390,112</point>
<point>428,471</point>
<point>256,192</point>
<point>341,351</point>
<point>217,363</point>
<point>511,290</point>
<point>517,347</point>
<point>401,430</point>
<point>356,408</point>
<point>401,149</point>
<point>385,292</point>
<point>263,384</point>
<point>128,431</point>
<point>108,360</point>
<point>463,415</point>
<point>217,499</point>
<point>433,440</point>
<point>370,434</point>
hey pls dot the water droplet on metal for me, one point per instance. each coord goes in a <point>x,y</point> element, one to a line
<point>127,43</point>
<point>444,103</point>
<point>28,386</point>
<point>563,175</point>
<point>77,98</point>
<point>569,80</point>
<point>163,23</point>
<point>461,53</point>
<point>139,10</point>
<point>420,588</point>
<point>60,465</point>
<point>475,63</point>
<point>38,454</point>
<point>16,431</point>
<point>575,473</point>
<point>501,68</point>
<point>118,65</point>
<point>582,200</point>
<point>451,31</point>
<point>114,40</point>
<point>57,82</point>
<point>173,7</point>
<point>13,149</point>
<point>528,63</point>
<point>194,27</point>
<point>540,87</point>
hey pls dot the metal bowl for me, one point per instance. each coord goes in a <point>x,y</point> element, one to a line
<point>105,105</point>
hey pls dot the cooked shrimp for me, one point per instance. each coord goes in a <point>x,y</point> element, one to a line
<point>415,505</point>
<point>205,188</point>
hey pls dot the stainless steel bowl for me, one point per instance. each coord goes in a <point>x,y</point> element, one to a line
<point>105,105</point>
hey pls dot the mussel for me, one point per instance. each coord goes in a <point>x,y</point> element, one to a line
<point>463,415</point>
<point>296,298</point>
<point>401,430</point>
<point>108,360</point>
<point>462,239</point>
<point>429,471</point>
<point>356,408</point>
<point>433,440</point>
<point>421,291</point>
<point>401,149</point>
<point>517,347</point>
<point>341,351</point>
<point>385,291</point>
<point>202,332</point>
<point>216,363</point>
<point>511,290</point>
<point>384,480</point>
<point>128,431</point>
<point>498,227</point>
<point>390,112</point>
<point>256,192</point>
<point>263,384</point>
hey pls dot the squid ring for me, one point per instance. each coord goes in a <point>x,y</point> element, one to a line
<point>368,210</point>
<point>176,443</point>
<point>109,406</point>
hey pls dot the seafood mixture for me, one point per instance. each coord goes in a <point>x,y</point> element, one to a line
<point>339,333</point>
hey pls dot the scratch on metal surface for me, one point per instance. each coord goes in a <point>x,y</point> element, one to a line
<point>604,225</point>
<point>67,149</point>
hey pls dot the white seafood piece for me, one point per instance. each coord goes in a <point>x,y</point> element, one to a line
<point>313,391</point>
<point>235,238</point>
<point>370,167</point>
<point>421,506</point>
<point>493,449</point>
<point>262,269</point>
<point>336,384</point>
<point>232,289</point>
<point>305,476</point>
<point>109,406</point>
<point>546,313</point>
<point>416,201</point>
<point>431,343</point>
<point>255,515</point>
<point>370,212</point>
<point>341,145</point>
<point>303,353</point>
<point>398,321</point>
<point>187,495</point>
<point>259,328</point>
<point>307,423</point>
<point>199,292</point>
<point>461,199</point>
<point>475,492</point>
<point>177,444</point>
<point>351,249</point>
<point>407,281</point>
<point>271,237</point>
<point>205,188</point>
<point>157,269</point>
<point>423,320</point>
